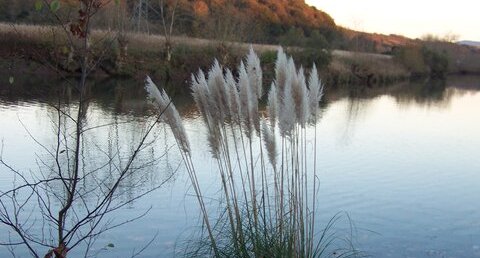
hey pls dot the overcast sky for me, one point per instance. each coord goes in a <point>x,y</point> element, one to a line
<point>412,18</point>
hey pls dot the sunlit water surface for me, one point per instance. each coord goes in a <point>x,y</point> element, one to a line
<point>403,162</point>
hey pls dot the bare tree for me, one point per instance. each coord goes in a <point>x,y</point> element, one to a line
<point>140,16</point>
<point>167,23</point>
<point>66,202</point>
<point>167,17</point>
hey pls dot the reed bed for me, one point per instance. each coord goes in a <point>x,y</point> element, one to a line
<point>269,183</point>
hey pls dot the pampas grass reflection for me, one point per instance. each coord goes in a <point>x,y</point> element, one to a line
<point>268,180</point>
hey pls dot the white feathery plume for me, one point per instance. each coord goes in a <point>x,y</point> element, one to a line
<point>200,93</point>
<point>233,96</point>
<point>291,71</point>
<point>291,68</point>
<point>214,137</point>
<point>203,99</point>
<point>218,97</point>
<point>178,129</point>
<point>270,143</point>
<point>254,71</point>
<point>154,94</point>
<point>272,106</point>
<point>285,73</point>
<point>315,91</point>
<point>281,73</point>
<point>245,98</point>
<point>282,78</point>
<point>286,114</point>
<point>170,113</point>
<point>300,96</point>
<point>255,116</point>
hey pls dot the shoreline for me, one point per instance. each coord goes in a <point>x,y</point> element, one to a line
<point>36,49</point>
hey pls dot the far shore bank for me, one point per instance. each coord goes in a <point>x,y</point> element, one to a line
<point>44,49</point>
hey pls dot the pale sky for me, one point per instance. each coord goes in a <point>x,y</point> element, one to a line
<point>412,18</point>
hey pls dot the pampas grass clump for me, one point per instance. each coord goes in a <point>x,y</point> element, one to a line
<point>269,186</point>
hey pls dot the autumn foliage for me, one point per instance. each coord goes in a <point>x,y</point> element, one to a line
<point>263,21</point>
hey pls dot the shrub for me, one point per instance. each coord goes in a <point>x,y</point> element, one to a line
<point>307,56</point>
<point>412,59</point>
<point>437,62</point>
<point>421,60</point>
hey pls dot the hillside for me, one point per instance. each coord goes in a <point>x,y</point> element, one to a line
<point>245,20</point>
<point>284,13</point>
<point>284,22</point>
<point>374,42</point>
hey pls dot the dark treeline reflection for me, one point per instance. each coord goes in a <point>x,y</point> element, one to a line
<point>127,96</point>
<point>120,96</point>
<point>428,92</point>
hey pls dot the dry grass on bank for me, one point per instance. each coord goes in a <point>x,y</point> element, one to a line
<point>47,34</point>
<point>345,64</point>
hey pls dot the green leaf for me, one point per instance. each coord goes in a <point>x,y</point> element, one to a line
<point>54,5</point>
<point>111,245</point>
<point>38,5</point>
<point>117,2</point>
<point>11,80</point>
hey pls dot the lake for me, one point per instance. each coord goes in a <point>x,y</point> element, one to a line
<point>400,164</point>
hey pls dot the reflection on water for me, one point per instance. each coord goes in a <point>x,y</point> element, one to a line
<point>401,160</point>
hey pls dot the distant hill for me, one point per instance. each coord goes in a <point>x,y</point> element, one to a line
<point>282,12</point>
<point>374,42</point>
<point>249,20</point>
<point>469,43</point>
<point>245,20</point>
<point>286,22</point>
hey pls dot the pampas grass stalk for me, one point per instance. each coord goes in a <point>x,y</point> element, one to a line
<point>316,89</point>
<point>164,104</point>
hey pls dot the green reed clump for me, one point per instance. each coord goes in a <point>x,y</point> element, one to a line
<point>268,183</point>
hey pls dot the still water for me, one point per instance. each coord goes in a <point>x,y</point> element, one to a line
<point>402,162</point>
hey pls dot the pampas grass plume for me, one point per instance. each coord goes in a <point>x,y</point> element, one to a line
<point>245,98</point>
<point>170,113</point>
<point>254,71</point>
<point>234,98</point>
<point>315,91</point>
<point>300,96</point>
<point>270,143</point>
<point>272,107</point>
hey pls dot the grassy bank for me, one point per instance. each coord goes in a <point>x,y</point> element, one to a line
<point>365,68</point>
<point>44,49</point>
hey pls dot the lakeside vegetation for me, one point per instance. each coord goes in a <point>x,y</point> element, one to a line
<point>33,48</point>
<point>40,46</point>
<point>129,41</point>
